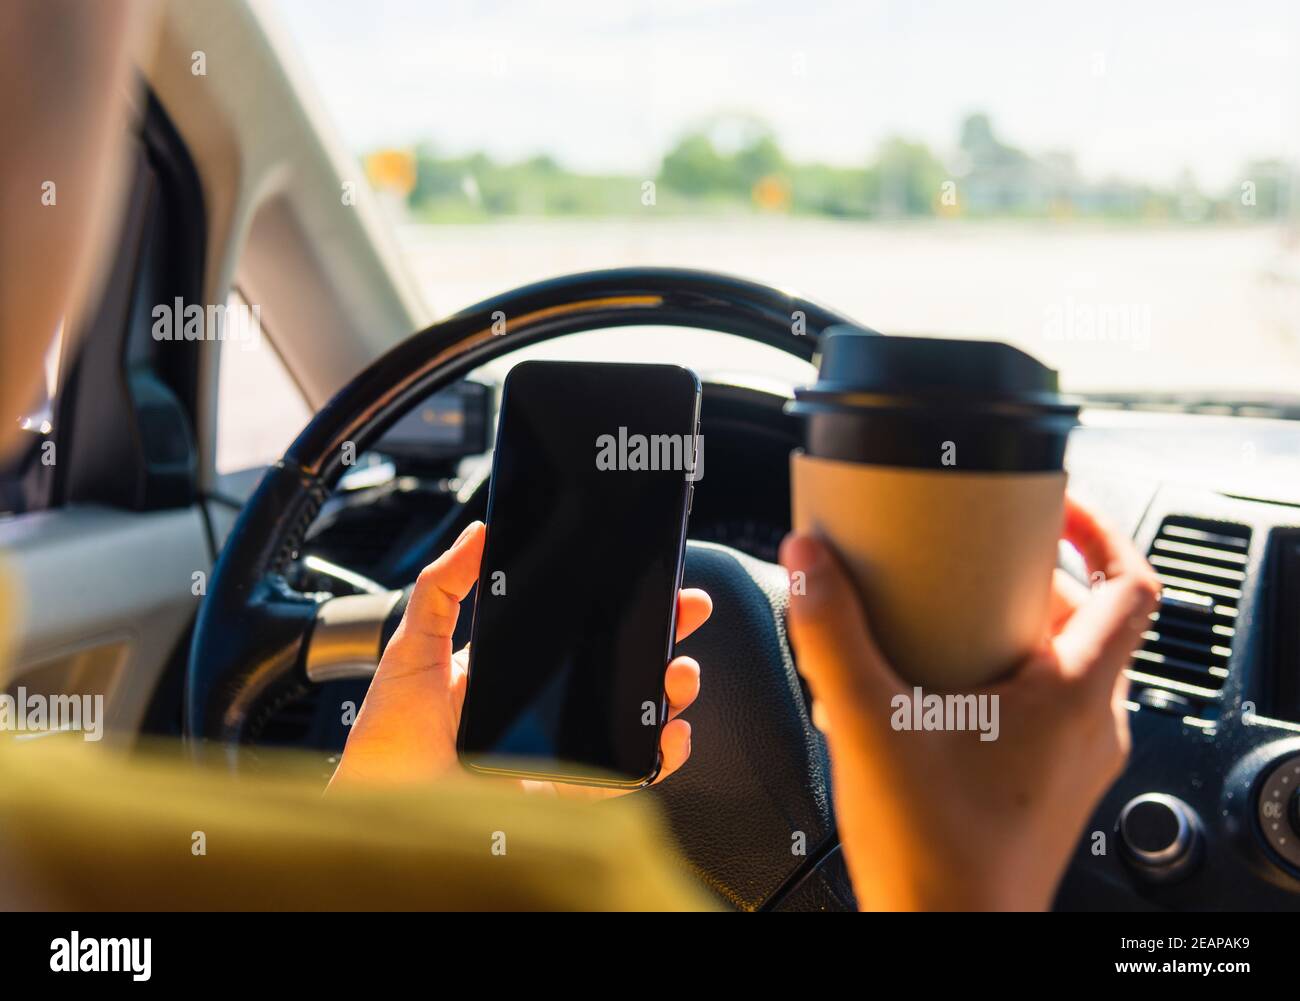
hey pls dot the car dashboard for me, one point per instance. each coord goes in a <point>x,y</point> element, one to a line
<point>1206,814</point>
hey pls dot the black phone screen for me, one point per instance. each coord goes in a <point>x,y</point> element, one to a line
<point>577,598</point>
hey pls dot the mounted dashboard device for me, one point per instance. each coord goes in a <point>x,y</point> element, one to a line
<point>1281,692</point>
<point>452,423</point>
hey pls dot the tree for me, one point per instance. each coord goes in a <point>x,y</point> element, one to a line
<point>983,147</point>
<point>759,160</point>
<point>694,167</point>
<point>906,178</point>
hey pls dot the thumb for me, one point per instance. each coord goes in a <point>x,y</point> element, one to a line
<point>423,640</point>
<point>836,652</point>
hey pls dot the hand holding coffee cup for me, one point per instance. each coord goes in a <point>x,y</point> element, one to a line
<point>934,468</point>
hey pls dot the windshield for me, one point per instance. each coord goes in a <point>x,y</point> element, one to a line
<point>1111,187</point>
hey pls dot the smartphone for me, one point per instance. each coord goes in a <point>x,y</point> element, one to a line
<point>576,605</point>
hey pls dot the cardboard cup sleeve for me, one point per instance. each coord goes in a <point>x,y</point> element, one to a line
<point>954,569</point>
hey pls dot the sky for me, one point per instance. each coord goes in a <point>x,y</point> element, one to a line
<point>1139,90</point>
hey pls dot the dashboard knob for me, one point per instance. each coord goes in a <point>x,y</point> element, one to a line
<point>1278,810</point>
<point>1160,835</point>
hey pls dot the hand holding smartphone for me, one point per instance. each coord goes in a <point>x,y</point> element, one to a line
<point>575,610</point>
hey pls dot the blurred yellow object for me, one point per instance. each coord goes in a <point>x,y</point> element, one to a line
<point>947,209</point>
<point>392,170</point>
<point>85,828</point>
<point>1061,210</point>
<point>771,194</point>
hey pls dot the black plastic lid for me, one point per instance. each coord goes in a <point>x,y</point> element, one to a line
<point>864,369</point>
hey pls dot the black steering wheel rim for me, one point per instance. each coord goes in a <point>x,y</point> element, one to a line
<point>246,658</point>
<point>592,300</point>
<point>269,530</point>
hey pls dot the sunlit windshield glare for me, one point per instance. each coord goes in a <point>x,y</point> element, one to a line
<point>1111,186</point>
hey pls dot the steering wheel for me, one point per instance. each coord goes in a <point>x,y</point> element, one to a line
<point>751,811</point>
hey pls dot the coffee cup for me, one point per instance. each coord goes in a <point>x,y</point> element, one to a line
<point>934,469</point>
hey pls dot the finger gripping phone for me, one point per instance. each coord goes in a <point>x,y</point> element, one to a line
<point>576,604</point>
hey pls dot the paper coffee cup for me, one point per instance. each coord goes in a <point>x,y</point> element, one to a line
<point>933,468</point>
<point>954,569</point>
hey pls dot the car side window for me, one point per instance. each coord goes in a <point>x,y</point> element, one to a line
<point>260,408</point>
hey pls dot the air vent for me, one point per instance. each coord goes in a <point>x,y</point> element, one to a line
<point>1183,662</point>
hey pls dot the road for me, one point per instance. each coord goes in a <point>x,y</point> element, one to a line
<point>1110,306</point>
